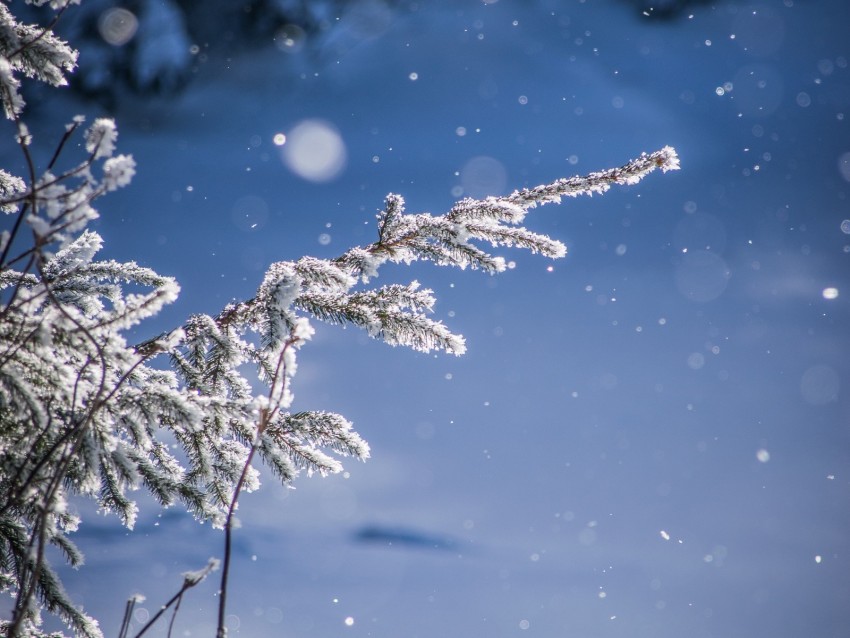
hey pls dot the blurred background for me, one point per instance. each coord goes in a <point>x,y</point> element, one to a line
<point>650,437</point>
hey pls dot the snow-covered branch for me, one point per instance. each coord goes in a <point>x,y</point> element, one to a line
<point>84,413</point>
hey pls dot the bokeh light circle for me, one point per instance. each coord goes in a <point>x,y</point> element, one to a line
<point>482,176</point>
<point>315,151</point>
<point>702,276</point>
<point>117,26</point>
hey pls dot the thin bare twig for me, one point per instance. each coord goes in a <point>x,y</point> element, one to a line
<point>277,392</point>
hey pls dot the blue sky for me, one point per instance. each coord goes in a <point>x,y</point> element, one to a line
<point>649,438</point>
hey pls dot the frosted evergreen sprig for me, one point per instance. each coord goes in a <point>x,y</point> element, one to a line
<point>10,188</point>
<point>64,368</point>
<point>85,414</point>
<point>322,288</point>
<point>629,174</point>
<point>35,52</point>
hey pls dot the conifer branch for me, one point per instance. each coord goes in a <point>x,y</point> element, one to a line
<point>84,413</point>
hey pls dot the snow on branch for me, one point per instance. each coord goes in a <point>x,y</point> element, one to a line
<point>209,352</point>
<point>33,51</point>
<point>322,288</point>
<point>293,442</point>
<point>108,422</point>
<point>627,175</point>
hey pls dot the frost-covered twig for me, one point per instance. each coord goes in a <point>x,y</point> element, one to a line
<point>398,314</point>
<point>86,414</point>
<point>631,173</point>
<point>190,579</point>
<point>279,397</point>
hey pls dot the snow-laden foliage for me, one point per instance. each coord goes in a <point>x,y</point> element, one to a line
<point>33,51</point>
<point>84,413</point>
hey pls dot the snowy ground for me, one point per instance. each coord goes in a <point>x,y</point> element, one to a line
<point>648,439</point>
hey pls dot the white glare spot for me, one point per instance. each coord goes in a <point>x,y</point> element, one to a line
<point>290,38</point>
<point>620,250</point>
<point>803,99</point>
<point>279,139</point>
<point>696,360</point>
<point>523,100</point>
<point>763,455</point>
<point>117,26</point>
<point>818,559</point>
<point>315,151</point>
<point>845,226</point>
<point>414,76</point>
<point>324,239</point>
<point>460,131</point>
<point>349,621</point>
<point>664,535</point>
<point>830,293</point>
<point>524,624</point>
<point>720,90</point>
